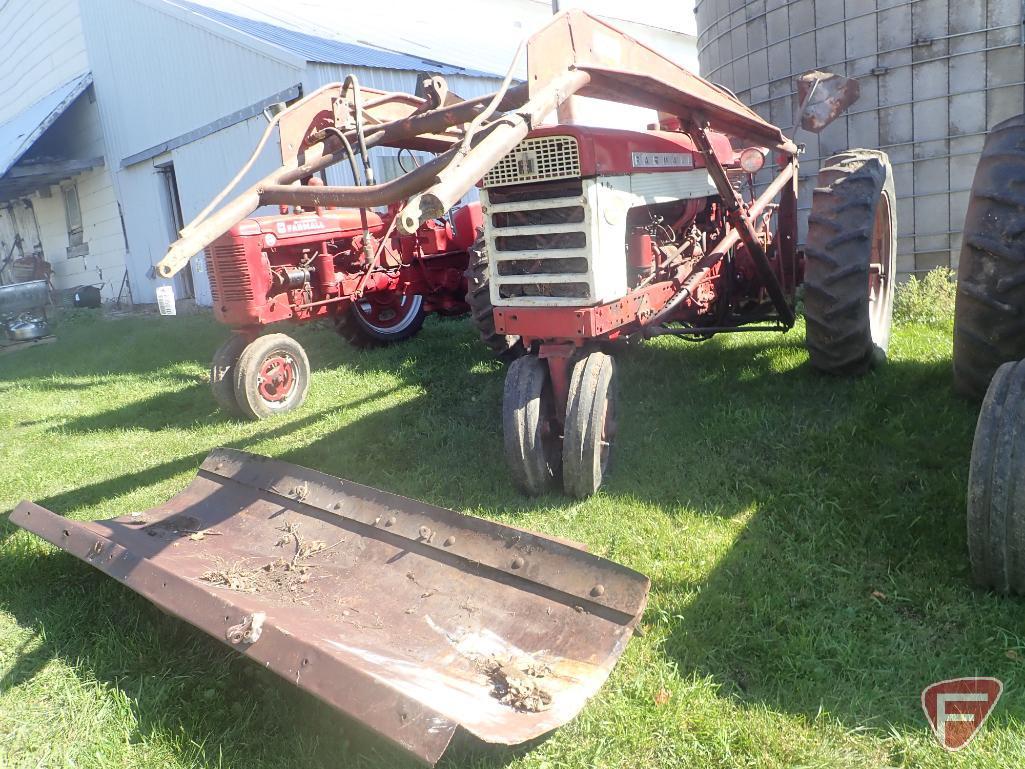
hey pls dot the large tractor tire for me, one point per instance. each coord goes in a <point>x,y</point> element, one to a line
<point>996,485</point>
<point>478,296</point>
<point>850,263</point>
<point>381,318</point>
<point>989,325</point>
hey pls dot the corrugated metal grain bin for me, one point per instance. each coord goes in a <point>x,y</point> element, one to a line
<point>934,75</point>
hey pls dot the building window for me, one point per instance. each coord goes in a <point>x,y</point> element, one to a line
<point>73,212</point>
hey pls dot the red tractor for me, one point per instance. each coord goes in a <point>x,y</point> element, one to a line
<point>589,236</point>
<point>304,266</point>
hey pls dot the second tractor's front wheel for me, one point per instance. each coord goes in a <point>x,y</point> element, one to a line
<point>530,434</point>
<point>222,373</point>
<point>272,376</point>
<point>590,425</point>
<point>850,266</point>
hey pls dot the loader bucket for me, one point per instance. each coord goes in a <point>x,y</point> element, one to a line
<point>410,618</point>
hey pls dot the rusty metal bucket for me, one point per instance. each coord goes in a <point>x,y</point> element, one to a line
<point>410,618</point>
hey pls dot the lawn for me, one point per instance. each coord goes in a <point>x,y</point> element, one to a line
<point>804,537</point>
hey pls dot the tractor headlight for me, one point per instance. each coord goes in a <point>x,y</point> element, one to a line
<point>752,159</point>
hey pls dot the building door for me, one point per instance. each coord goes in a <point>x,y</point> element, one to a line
<point>184,287</point>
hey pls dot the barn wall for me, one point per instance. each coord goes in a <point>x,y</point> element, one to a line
<point>41,48</point>
<point>150,91</point>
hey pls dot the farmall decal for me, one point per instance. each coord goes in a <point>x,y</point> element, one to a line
<point>298,226</point>
<point>662,159</point>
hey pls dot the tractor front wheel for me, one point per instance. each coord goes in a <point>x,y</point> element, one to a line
<point>850,265</point>
<point>272,376</point>
<point>996,488</point>
<point>530,431</point>
<point>222,373</point>
<point>381,318</point>
<point>590,427</point>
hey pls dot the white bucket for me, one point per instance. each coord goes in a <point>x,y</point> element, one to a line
<point>165,300</point>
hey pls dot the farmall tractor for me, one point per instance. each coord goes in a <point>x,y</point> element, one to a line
<point>585,237</point>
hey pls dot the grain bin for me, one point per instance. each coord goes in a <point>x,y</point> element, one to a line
<point>934,75</point>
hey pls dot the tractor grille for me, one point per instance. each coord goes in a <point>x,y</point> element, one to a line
<point>540,159</point>
<point>539,237</point>
<point>229,273</point>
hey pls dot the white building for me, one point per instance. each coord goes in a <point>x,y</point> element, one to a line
<point>123,118</point>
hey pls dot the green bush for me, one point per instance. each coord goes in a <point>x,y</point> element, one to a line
<point>928,301</point>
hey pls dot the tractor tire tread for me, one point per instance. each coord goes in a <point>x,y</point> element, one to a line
<point>990,299</point>
<point>839,333</point>
<point>478,296</point>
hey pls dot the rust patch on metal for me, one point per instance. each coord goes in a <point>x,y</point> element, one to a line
<point>409,618</point>
<point>823,96</point>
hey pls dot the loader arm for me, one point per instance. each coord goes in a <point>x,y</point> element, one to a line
<point>574,54</point>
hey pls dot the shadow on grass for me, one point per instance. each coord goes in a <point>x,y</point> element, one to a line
<point>846,590</point>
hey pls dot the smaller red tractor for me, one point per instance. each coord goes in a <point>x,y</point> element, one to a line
<point>303,266</point>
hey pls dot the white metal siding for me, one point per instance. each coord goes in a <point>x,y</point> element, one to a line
<point>159,74</point>
<point>41,47</point>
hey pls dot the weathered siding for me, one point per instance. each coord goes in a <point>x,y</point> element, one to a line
<point>150,90</point>
<point>101,224</point>
<point>41,48</point>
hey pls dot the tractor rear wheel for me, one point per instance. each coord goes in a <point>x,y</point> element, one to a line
<point>381,318</point>
<point>850,263</point>
<point>996,485</point>
<point>272,376</point>
<point>989,311</point>
<point>222,373</point>
<point>478,296</point>
<point>590,427</point>
<point>530,434</point>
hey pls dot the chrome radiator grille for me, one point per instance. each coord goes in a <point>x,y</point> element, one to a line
<point>539,242</point>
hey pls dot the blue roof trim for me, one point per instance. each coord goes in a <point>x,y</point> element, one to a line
<point>19,133</point>
<point>325,50</point>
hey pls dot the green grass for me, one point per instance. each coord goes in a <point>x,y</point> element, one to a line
<point>767,503</point>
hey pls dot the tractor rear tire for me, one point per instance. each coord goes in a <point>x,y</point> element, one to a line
<point>373,322</point>
<point>222,373</point>
<point>590,426</point>
<point>478,295</point>
<point>532,450</point>
<point>272,376</point>
<point>989,311</point>
<point>996,485</point>
<point>850,263</point>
